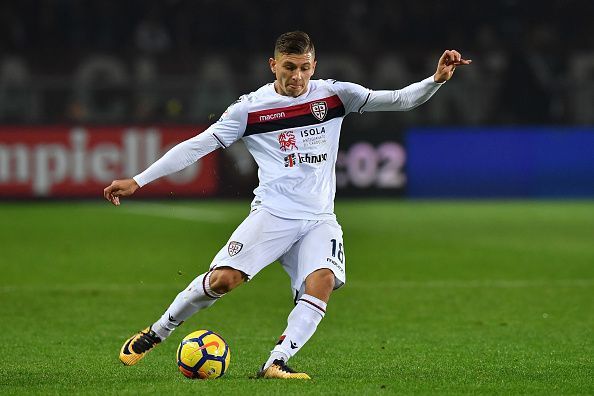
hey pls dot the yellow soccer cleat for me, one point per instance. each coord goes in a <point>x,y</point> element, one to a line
<point>279,369</point>
<point>137,346</point>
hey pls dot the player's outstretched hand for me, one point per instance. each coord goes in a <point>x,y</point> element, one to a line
<point>120,188</point>
<point>447,64</point>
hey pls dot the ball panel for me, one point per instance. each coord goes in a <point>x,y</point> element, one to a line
<point>214,345</point>
<point>226,361</point>
<point>191,353</point>
<point>211,369</point>
<point>186,372</point>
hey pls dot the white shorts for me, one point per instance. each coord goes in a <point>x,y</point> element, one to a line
<point>301,246</point>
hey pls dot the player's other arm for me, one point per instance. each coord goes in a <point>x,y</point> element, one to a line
<point>220,134</point>
<point>176,159</point>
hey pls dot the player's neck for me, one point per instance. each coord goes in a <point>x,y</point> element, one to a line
<point>279,91</point>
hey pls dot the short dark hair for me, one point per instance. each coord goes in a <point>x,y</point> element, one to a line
<point>296,42</point>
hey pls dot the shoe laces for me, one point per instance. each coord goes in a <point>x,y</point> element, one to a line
<point>283,366</point>
<point>145,342</point>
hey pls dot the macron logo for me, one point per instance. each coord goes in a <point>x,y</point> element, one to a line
<point>275,116</point>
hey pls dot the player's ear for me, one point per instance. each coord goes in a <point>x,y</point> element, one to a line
<point>272,63</point>
<point>315,62</point>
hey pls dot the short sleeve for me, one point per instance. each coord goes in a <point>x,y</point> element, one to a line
<point>231,125</point>
<point>353,96</point>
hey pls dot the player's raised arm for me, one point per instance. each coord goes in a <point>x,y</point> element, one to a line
<point>360,99</point>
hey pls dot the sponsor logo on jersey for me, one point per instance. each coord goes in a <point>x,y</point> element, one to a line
<point>312,132</point>
<point>234,248</point>
<point>290,160</point>
<point>312,136</point>
<point>286,140</point>
<point>312,158</point>
<point>274,116</point>
<point>319,110</point>
<point>298,158</point>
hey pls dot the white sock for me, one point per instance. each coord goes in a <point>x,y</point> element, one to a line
<point>197,296</point>
<point>302,323</point>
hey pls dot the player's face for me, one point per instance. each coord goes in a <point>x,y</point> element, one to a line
<point>292,72</point>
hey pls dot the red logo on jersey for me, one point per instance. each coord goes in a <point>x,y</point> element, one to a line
<point>290,160</point>
<point>319,110</point>
<point>286,140</point>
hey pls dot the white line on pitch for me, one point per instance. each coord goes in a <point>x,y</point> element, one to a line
<point>178,212</point>
<point>94,287</point>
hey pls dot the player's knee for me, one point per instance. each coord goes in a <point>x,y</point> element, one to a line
<point>326,280</point>
<point>223,280</point>
<point>320,282</point>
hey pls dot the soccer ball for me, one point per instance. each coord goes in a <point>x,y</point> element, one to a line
<point>203,354</point>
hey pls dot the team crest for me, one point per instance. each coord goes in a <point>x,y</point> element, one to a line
<point>319,110</point>
<point>286,140</point>
<point>234,248</point>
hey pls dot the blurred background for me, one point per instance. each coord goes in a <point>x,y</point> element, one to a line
<point>91,91</point>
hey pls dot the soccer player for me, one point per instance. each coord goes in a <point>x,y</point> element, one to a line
<point>292,128</point>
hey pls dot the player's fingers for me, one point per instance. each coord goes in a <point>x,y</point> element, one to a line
<point>463,62</point>
<point>107,192</point>
<point>111,188</point>
<point>450,57</point>
<point>114,200</point>
<point>456,56</point>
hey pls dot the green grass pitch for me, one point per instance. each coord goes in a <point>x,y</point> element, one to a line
<point>441,298</point>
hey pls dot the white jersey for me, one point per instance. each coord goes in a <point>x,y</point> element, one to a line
<point>294,141</point>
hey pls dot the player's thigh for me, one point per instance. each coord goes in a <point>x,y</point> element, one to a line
<point>258,241</point>
<point>322,247</point>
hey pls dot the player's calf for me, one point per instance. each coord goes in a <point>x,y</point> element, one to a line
<point>201,293</point>
<point>301,325</point>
